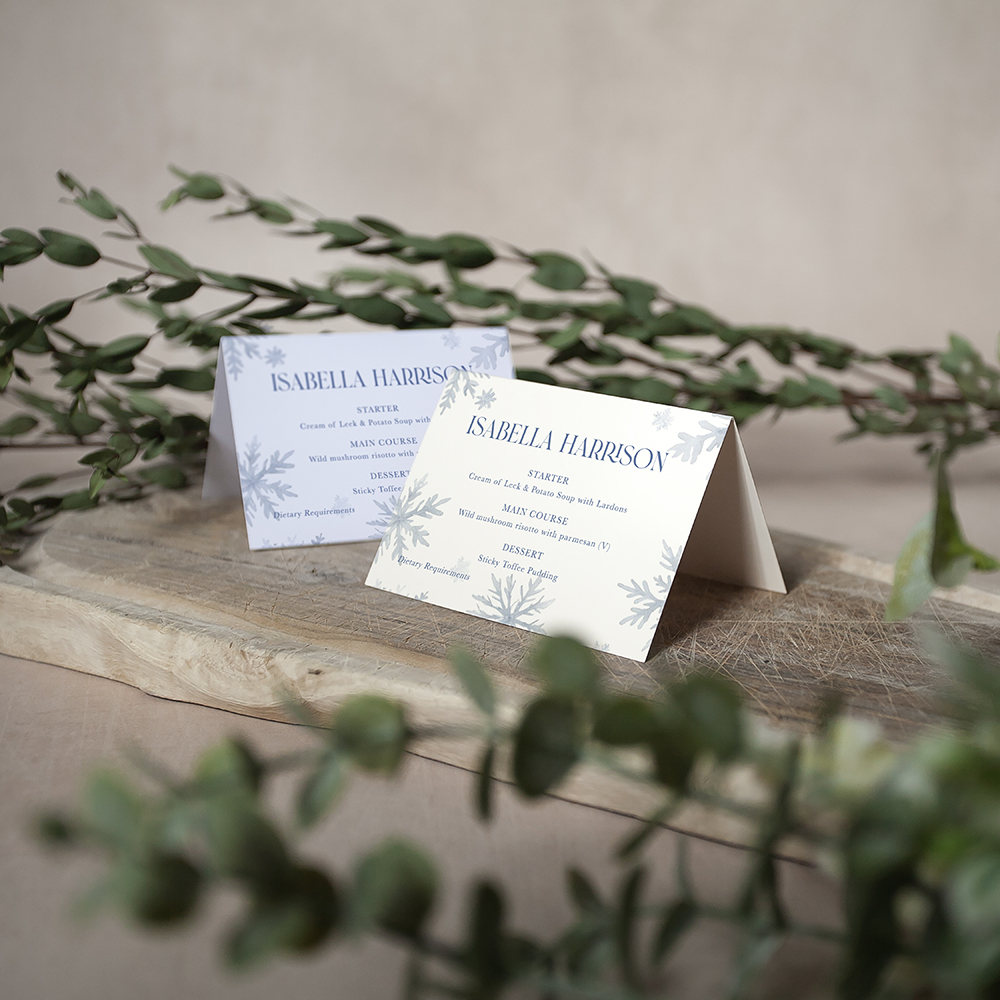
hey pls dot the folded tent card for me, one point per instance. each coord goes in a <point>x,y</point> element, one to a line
<point>559,511</point>
<point>317,431</point>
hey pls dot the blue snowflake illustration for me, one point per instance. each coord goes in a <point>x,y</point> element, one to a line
<point>400,519</point>
<point>238,350</point>
<point>647,602</point>
<point>663,418</point>
<point>501,604</point>
<point>318,540</point>
<point>274,357</point>
<point>460,380</point>
<point>486,399</point>
<point>689,447</point>
<point>258,491</point>
<point>485,355</point>
<point>450,339</point>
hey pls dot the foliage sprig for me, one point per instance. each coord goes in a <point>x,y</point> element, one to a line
<point>605,332</point>
<point>911,834</point>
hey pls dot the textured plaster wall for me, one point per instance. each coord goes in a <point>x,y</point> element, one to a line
<point>825,164</point>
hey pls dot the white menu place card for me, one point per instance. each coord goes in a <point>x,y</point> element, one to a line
<point>559,511</point>
<point>317,431</point>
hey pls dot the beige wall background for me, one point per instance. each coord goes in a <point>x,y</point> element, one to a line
<point>832,165</point>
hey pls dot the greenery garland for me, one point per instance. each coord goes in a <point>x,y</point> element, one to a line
<point>911,834</point>
<point>606,333</point>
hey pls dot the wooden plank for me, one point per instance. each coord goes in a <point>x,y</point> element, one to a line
<point>166,596</point>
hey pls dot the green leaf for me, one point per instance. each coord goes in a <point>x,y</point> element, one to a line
<point>394,889</point>
<point>271,211</point>
<point>96,204</point>
<point>65,248</point>
<point>713,709</point>
<point>204,187</point>
<point>144,404</point>
<point>546,745</point>
<point>532,375</point>
<point>159,890</point>
<point>375,309</point>
<point>36,482</point>
<point>167,262</point>
<point>321,788</point>
<point>373,730</point>
<point>486,952</point>
<point>298,921</point>
<point>344,234</point>
<point>379,225</point>
<point>474,679</point>
<point>566,337</point>
<point>951,559</point>
<point>430,309</point>
<point>290,308</point>
<point>624,721</point>
<point>78,500</point>
<point>229,766</point>
<point>175,293</point>
<point>961,360</point>
<point>674,924</point>
<point>68,181</point>
<point>12,254</point>
<point>122,347</point>
<point>582,892</point>
<point>484,783</point>
<point>112,811</point>
<point>674,747</point>
<point>466,252</point>
<point>555,270</point>
<point>22,238</point>
<point>626,920</point>
<point>55,312</point>
<point>191,379</point>
<point>566,667</point>
<point>167,476</point>
<point>230,281</point>
<point>892,398</point>
<point>243,845</point>
<point>637,296</point>
<point>912,583</point>
<point>17,425</point>
<point>82,423</point>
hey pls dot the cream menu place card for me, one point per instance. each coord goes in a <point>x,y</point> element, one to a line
<point>317,431</point>
<point>560,511</point>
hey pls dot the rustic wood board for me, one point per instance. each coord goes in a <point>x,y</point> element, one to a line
<point>165,595</point>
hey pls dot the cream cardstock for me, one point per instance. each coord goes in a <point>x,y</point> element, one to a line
<point>317,431</point>
<point>560,511</point>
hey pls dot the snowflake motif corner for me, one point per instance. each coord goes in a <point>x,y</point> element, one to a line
<point>463,382</point>
<point>487,354</point>
<point>238,351</point>
<point>274,357</point>
<point>486,399</point>
<point>690,447</point>
<point>261,488</point>
<point>400,519</point>
<point>648,599</point>
<point>520,609</point>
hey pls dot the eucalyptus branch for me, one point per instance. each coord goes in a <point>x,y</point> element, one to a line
<point>604,332</point>
<point>165,848</point>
